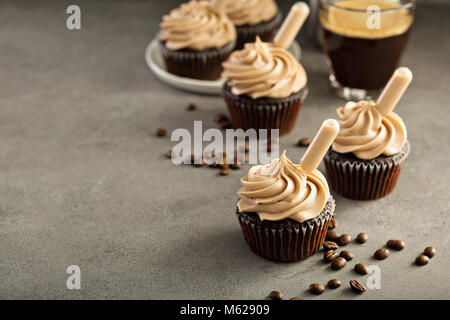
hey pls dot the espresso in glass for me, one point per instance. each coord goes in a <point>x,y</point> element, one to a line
<point>364,40</point>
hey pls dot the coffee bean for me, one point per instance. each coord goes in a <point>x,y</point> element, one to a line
<point>219,117</point>
<point>381,254</point>
<point>422,260</point>
<point>361,268</point>
<point>357,286</point>
<point>429,252</point>
<point>191,107</point>
<point>344,239</point>
<point>347,255</point>
<point>168,154</point>
<point>304,142</point>
<point>338,263</point>
<point>330,255</point>
<point>295,298</point>
<point>225,170</point>
<point>332,235</point>
<point>316,288</point>
<point>396,244</point>
<point>276,295</point>
<point>334,284</point>
<point>333,224</point>
<point>330,245</point>
<point>161,132</point>
<point>362,237</point>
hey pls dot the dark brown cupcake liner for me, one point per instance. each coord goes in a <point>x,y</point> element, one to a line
<point>364,179</point>
<point>264,113</point>
<point>265,30</point>
<point>202,65</point>
<point>286,240</point>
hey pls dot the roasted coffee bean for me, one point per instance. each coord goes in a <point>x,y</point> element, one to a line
<point>396,244</point>
<point>161,132</point>
<point>338,263</point>
<point>304,142</point>
<point>219,117</point>
<point>429,252</point>
<point>295,298</point>
<point>357,286</point>
<point>276,295</point>
<point>332,235</point>
<point>361,268</point>
<point>333,224</point>
<point>344,239</point>
<point>225,170</point>
<point>316,288</point>
<point>381,254</point>
<point>422,260</point>
<point>191,107</point>
<point>330,255</point>
<point>334,284</point>
<point>362,237</point>
<point>330,245</point>
<point>347,255</point>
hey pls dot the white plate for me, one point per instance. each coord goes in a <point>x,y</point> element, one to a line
<point>155,62</point>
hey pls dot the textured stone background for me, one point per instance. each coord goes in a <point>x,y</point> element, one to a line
<point>83,180</point>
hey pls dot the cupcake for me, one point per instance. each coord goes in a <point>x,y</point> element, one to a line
<point>196,39</point>
<point>285,208</point>
<point>266,85</point>
<point>253,18</point>
<point>366,158</point>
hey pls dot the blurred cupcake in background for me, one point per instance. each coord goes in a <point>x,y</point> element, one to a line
<point>253,18</point>
<point>196,39</point>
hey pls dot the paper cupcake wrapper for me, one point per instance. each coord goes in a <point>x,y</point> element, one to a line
<point>265,30</point>
<point>203,65</point>
<point>264,113</point>
<point>286,240</point>
<point>364,179</point>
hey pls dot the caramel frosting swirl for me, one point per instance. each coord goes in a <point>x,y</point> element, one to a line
<point>262,69</point>
<point>250,12</point>
<point>367,133</point>
<point>281,190</point>
<point>194,25</point>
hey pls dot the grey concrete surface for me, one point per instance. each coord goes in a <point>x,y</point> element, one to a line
<point>83,180</point>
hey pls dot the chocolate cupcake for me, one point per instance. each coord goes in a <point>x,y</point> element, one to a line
<point>265,87</point>
<point>284,208</point>
<point>196,39</point>
<point>253,18</point>
<point>369,152</point>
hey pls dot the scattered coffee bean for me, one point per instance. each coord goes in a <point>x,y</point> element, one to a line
<point>161,132</point>
<point>332,235</point>
<point>333,224</point>
<point>429,252</point>
<point>338,263</point>
<point>316,288</point>
<point>361,268</point>
<point>276,295</point>
<point>330,245</point>
<point>225,170</point>
<point>334,284</point>
<point>330,255</point>
<point>422,260</point>
<point>396,244</point>
<point>357,286</point>
<point>344,239</point>
<point>347,255</point>
<point>191,107</point>
<point>362,237</point>
<point>168,154</point>
<point>304,142</point>
<point>295,298</point>
<point>381,254</point>
<point>219,117</point>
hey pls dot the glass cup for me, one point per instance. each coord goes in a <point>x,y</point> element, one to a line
<point>364,40</point>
